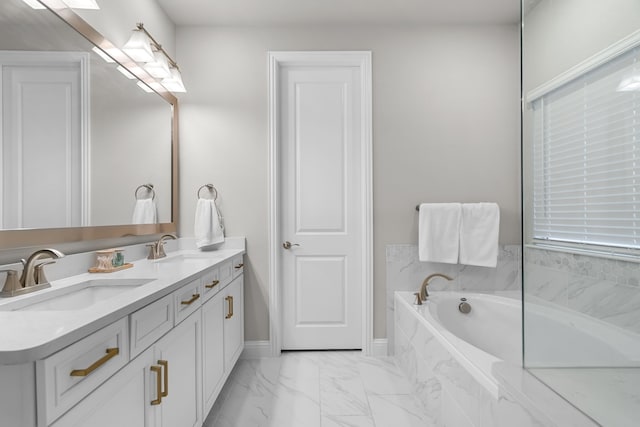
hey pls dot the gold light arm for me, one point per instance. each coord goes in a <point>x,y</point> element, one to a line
<point>158,46</point>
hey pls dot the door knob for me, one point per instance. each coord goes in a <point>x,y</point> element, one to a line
<point>288,244</point>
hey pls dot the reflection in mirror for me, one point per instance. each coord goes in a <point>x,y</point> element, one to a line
<point>78,137</point>
<point>581,163</point>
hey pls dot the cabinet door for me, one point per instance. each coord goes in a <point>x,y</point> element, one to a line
<point>180,352</point>
<point>123,400</point>
<point>233,322</point>
<point>212,349</point>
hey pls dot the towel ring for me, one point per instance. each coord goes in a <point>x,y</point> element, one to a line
<point>149,188</point>
<point>211,189</point>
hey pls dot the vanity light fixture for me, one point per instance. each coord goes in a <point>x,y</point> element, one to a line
<point>73,4</point>
<point>139,46</point>
<point>159,68</point>
<point>174,83</point>
<point>157,61</point>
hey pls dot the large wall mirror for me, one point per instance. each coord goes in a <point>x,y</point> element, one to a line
<point>581,170</point>
<point>80,141</point>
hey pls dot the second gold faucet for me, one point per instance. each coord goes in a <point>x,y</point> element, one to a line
<point>423,294</point>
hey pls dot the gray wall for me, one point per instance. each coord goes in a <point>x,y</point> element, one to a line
<point>445,128</point>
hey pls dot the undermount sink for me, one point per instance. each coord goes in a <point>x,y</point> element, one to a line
<point>78,296</point>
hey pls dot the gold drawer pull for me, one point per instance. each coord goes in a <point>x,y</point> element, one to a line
<point>158,371</point>
<point>193,298</point>
<point>230,311</point>
<point>239,266</point>
<point>111,353</point>
<point>212,285</point>
<point>165,365</point>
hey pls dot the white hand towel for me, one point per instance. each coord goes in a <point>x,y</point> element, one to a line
<point>439,232</point>
<point>144,212</point>
<point>208,228</point>
<point>479,231</point>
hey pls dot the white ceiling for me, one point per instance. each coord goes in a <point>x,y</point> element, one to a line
<point>313,12</point>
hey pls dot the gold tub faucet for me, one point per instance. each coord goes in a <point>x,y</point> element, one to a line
<point>423,294</point>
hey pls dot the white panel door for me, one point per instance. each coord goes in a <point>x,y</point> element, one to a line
<point>320,206</point>
<point>41,146</point>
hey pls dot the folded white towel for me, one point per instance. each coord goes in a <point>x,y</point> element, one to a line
<point>144,212</point>
<point>438,232</point>
<point>479,231</point>
<point>208,228</point>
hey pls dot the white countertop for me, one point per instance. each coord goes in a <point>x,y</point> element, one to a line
<point>26,336</point>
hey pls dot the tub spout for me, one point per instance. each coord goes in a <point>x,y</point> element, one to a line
<point>423,289</point>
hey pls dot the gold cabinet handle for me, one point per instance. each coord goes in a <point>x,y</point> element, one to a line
<point>158,371</point>
<point>239,266</point>
<point>230,310</point>
<point>165,365</point>
<point>193,298</point>
<point>111,353</point>
<point>212,285</point>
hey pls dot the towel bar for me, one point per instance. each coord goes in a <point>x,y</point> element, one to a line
<point>211,189</point>
<point>149,188</point>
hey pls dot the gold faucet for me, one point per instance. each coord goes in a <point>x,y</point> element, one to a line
<point>32,273</point>
<point>156,250</point>
<point>423,294</point>
<point>32,278</point>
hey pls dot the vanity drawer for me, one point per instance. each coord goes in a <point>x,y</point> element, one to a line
<point>66,377</point>
<point>187,300</point>
<point>150,323</point>
<point>226,273</point>
<point>238,265</point>
<point>211,283</point>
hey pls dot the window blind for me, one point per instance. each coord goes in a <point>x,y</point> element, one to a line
<point>586,158</point>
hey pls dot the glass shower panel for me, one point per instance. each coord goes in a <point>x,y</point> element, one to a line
<point>581,203</point>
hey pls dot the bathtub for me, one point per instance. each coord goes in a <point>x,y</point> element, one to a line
<point>555,337</point>
<point>490,333</point>
<point>471,363</point>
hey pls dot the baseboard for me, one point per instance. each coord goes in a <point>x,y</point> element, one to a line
<point>256,349</point>
<point>260,349</point>
<point>379,347</point>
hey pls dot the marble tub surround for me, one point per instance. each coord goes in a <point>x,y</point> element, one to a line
<point>318,389</point>
<point>405,272</point>
<point>26,336</point>
<point>456,391</point>
<point>606,289</point>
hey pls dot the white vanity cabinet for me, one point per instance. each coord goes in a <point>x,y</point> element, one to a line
<point>233,322</point>
<point>222,338</point>
<point>124,400</point>
<point>173,357</point>
<point>159,388</point>
<point>179,353</point>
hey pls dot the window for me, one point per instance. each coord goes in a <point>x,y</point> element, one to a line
<point>586,157</point>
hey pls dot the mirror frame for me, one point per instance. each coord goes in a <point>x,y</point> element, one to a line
<point>22,238</point>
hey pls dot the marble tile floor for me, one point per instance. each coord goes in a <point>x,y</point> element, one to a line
<point>317,389</point>
<point>612,398</point>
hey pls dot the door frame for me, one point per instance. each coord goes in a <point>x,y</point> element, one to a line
<point>362,60</point>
